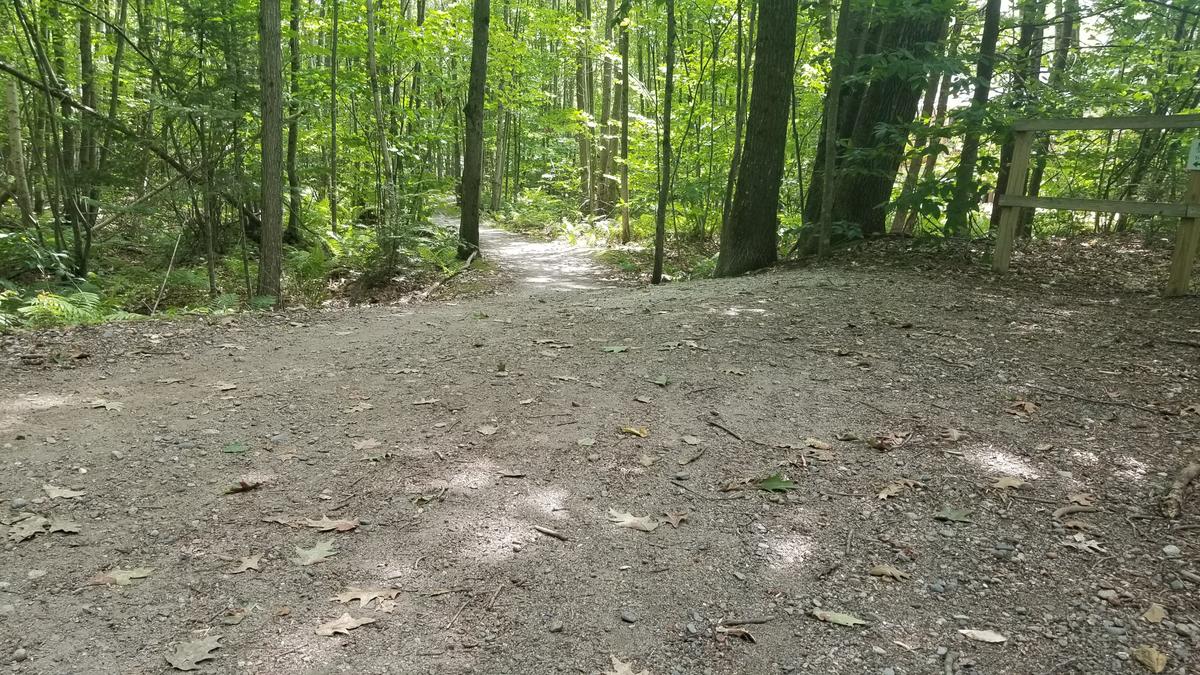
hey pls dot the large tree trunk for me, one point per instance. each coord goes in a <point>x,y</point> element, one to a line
<point>739,122</point>
<point>664,178</point>
<point>333,119</point>
<point>293,138</point>
<point>751,238</point>
<point>270,44</point>
<point>965,199</point>
<point>468,229</point>
<point>626,231</point>
<point>872,108</point>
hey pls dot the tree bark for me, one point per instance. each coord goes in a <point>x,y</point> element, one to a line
<point>270,41</point>
<point>965,198</point>
<point>751,239</point>
<point>16,159</point>
<point>333,118</point>
<point>293,137</point>
<point>626,230</point>
<point>468,229</point>
<point>664,185</point>
<point>739,114</point>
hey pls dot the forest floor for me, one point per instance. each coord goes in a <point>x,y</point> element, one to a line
<point>955,460</point>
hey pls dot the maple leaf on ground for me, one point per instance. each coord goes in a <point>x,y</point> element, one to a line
<point>327,525</point>
<point>62,493</point>
<point>898,486</point>
<point>675,518</point>
<point>119,577</point>
<point>248,563</point>
<point>365,596</point>
<point>317,554</point>
<point>622,519</point>
<point>30,525</point>
<point>343,624</point>
<point>188,655</point>
<point>619,667</point>
<point>62,524</point>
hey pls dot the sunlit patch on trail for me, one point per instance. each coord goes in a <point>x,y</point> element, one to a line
<point>785,551</point>
<point>12,410</point>
<point>1000,461</point>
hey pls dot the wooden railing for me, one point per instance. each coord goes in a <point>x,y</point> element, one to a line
<point>1014,199</point>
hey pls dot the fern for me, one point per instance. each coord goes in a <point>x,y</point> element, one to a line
<point>49,309</point>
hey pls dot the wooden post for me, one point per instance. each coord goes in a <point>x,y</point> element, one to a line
<point>1011,215</point>
<point>1187,239</point>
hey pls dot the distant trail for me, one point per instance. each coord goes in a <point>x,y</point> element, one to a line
<point>543,266</point>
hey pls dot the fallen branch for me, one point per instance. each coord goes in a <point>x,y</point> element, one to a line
<point>467,265</point>
<point>1172,504</point>
<point>1184,343</point>
<point>551,533</point>
<point>722,427</point>
<point>1077,397</point>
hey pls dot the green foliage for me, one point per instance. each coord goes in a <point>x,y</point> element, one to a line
<point>47,309</point>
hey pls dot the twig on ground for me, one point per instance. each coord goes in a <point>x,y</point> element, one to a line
<point>722,427</point>
<point>748,621</point>
<point>550,533</point>
<point>1086,399</point>
<point>460,611</point>
<point>494,596</point>
<point>1184,343</point>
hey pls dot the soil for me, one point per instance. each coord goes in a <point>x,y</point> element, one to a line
<point>450,430</point>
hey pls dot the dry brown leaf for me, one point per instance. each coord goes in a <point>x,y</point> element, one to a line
<point>1022,408</point>
<point>983,635</point>
<point>817,444</point>
<point>675,518</point>
<point>1009,483</point>
<point>245,485</point>
<point>327,525</point>
<point>898,486</point>
<point>1081,498</point>
<point>723,633</point>
<point>29,525</point>
<point>62,493</point>
<point>888,572</point>
<point>233,617</point>
<point>317,554</point>
<point>951,435</point>
<point>188,655</point>
<point>120,577</point>
<point>1154,660</point>
<point>248,563</point>
<point>1156,613</point>
<point>619,667</point>
<point>365,596</point>
<point>889,441</point>
<point>838,618</point>
<point>63,524</point>
<point>115,406</point>
<point>640,523</point>
<point>343,624</point>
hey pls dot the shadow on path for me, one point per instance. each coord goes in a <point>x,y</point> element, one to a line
<point>541,266</point>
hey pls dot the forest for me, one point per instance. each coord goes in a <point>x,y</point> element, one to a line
<point>166,156</point>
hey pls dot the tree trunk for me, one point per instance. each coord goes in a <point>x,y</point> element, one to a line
<point>333,119</point>
<point>664,185</point>
<point>751,239</point>
<point>270,42</point>
<point>293,137</point>
<point>1064,40</point>
<point>626,230</point>
<point>842,55</point>
<point>468,229</point>
<point>965,199</point>
<point>739,114</point>
<point>16,159</point>
<point>498,159</point>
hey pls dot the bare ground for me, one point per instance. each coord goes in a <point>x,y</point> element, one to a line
<point>450,430</point>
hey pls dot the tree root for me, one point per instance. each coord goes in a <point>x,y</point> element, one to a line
<point>1172,504</point>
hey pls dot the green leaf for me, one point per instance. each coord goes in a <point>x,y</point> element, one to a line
<point>235,448</point>
<point>838,618</point>
<point>776,482</point>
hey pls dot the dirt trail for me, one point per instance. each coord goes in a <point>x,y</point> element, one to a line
<point>542,266</point>
<point>450,431</point>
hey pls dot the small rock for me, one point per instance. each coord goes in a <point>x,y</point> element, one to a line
<point>628,616</point>
<point>281,438</point>
<point>556,626</point>
<point>682,475</point>
<point>888,671</point>
<point>7,609</point>
<point>1107,594</point>
<point>1171,551</point>
<point>35,574</point>
<point>18,502</point>
<point>19,654</point>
